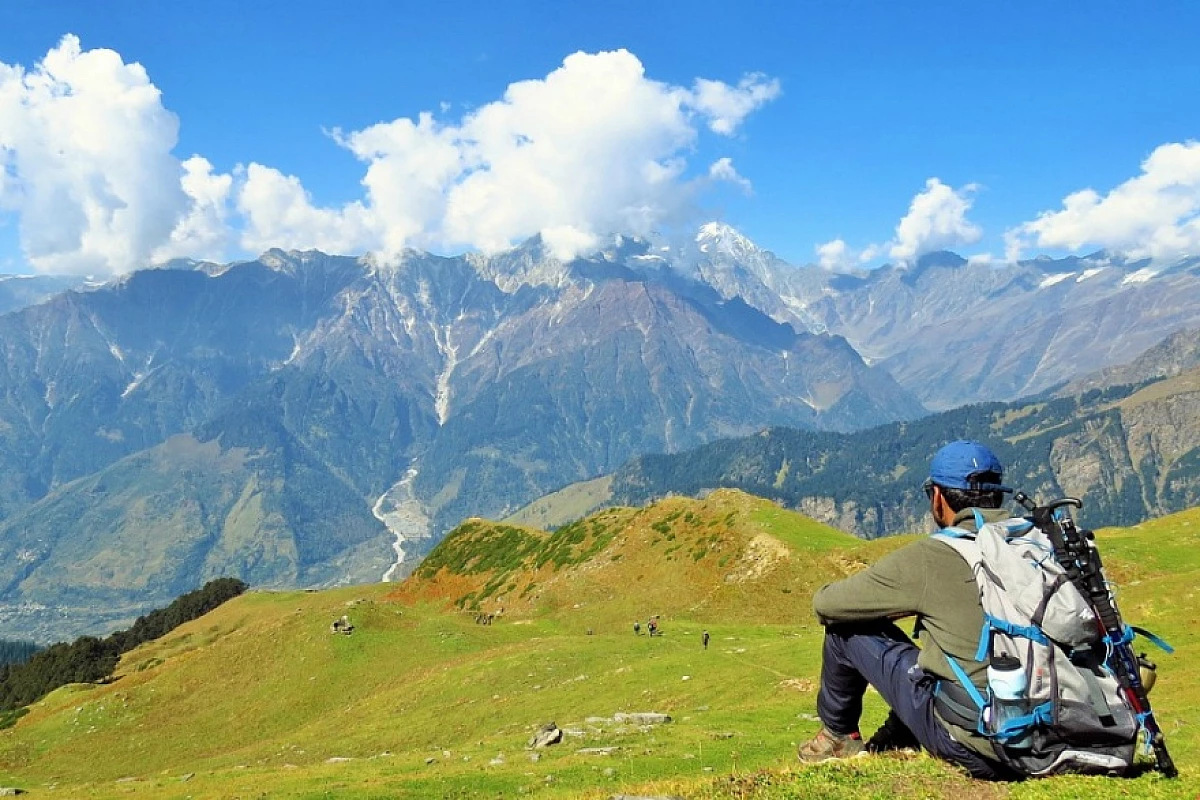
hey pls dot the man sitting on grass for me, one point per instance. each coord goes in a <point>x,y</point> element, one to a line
<point>927,579</point>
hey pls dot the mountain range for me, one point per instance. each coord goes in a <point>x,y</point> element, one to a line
<point>306,420</point>
<point>1130,451</point>
<point>19,291</point>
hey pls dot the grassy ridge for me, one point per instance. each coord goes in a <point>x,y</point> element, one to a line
<point>259,699</point>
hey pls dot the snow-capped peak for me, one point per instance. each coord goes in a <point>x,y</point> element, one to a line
<point>720,232</point>
<point>718,237</point>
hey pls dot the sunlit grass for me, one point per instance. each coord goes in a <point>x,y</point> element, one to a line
<point>259,699</point>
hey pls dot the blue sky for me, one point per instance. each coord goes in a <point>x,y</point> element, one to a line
<point>852,113</point>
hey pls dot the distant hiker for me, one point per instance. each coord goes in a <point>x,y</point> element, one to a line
<point>652,626</point>
<point>637,628</point>
<point>927,579</point>
<point>704,639</point>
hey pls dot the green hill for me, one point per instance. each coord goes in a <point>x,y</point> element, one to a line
<point>259,699</point>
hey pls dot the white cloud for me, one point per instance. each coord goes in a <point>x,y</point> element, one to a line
<point>85,146</point>
<point>204,230</point>
<point>936,220</point>
<point>565,241</point>
<point>723,170</point>
<point>727,106</point>
<point>872,252</point>
<point>835,255</point>
<point>1155,214</point>
<point>279,213</point>
<point>594,147</point>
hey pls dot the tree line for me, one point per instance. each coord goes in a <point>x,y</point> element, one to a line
<point>16,652</point>
<point>89,659</point>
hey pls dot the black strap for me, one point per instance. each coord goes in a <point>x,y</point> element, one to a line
<point>955,705</point>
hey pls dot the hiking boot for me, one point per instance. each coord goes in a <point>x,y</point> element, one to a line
<point>893,734</point>
<point>827,745</point>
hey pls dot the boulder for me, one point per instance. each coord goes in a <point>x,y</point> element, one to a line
<point>642,718</point>
<point>546,735</point>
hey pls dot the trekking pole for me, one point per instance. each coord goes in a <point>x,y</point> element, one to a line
<point>1076,552</point>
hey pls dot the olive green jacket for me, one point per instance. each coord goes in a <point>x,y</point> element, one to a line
<point>927,579</point>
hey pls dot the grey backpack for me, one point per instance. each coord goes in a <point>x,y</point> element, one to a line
<point>1052,704</point>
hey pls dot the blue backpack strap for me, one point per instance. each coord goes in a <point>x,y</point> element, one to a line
<point>1025,631</point>
<point>979,520</point>
<point>1016,727</point>
<point>985,641</point>
<point>965,681</point>
<point>953,533</point>
<point>1019,526</point>
<point>1155,640</point>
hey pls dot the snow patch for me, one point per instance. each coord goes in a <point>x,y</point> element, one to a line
<point>1089,273</point>
<point>449,350</point>
<point>295,349</point>
<point>1141,276</point>
<point>1050,280</point>
<point>139,377</point>
<point>800,309</point>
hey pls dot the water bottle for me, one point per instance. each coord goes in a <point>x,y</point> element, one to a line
<point>1006,677</point>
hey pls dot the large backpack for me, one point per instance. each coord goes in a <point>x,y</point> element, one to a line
<point>1072,715</point>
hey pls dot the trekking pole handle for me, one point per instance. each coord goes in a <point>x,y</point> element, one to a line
<point>1029,505</point>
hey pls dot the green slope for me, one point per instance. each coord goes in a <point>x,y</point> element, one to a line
<point>258,699</point>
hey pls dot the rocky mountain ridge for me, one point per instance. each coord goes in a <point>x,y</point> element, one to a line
<point>305,419</point>
<point>955,331</point>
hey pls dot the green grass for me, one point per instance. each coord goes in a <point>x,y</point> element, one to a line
<point>566,505</point>
<point>258,699</point>
<point>799,532</point>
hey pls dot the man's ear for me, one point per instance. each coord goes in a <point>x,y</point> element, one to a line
<point>941,508</point>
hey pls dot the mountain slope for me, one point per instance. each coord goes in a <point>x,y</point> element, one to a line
<point>653,371</point>
<point>417,393</point>
<point>259,698</point>
<point>97,551</point>
<point>21,291</point>
<point>1128,452</point>
<point>954,331</point>
<point>1178,353</point>
<point>433,388</point>
<point>87,378</point>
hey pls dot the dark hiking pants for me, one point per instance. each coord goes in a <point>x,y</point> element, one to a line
<point>879,654</point>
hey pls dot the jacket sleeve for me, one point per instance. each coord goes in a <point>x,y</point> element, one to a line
<point>891,588</point>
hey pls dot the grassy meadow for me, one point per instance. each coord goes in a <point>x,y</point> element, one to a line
<point>259,700</point>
